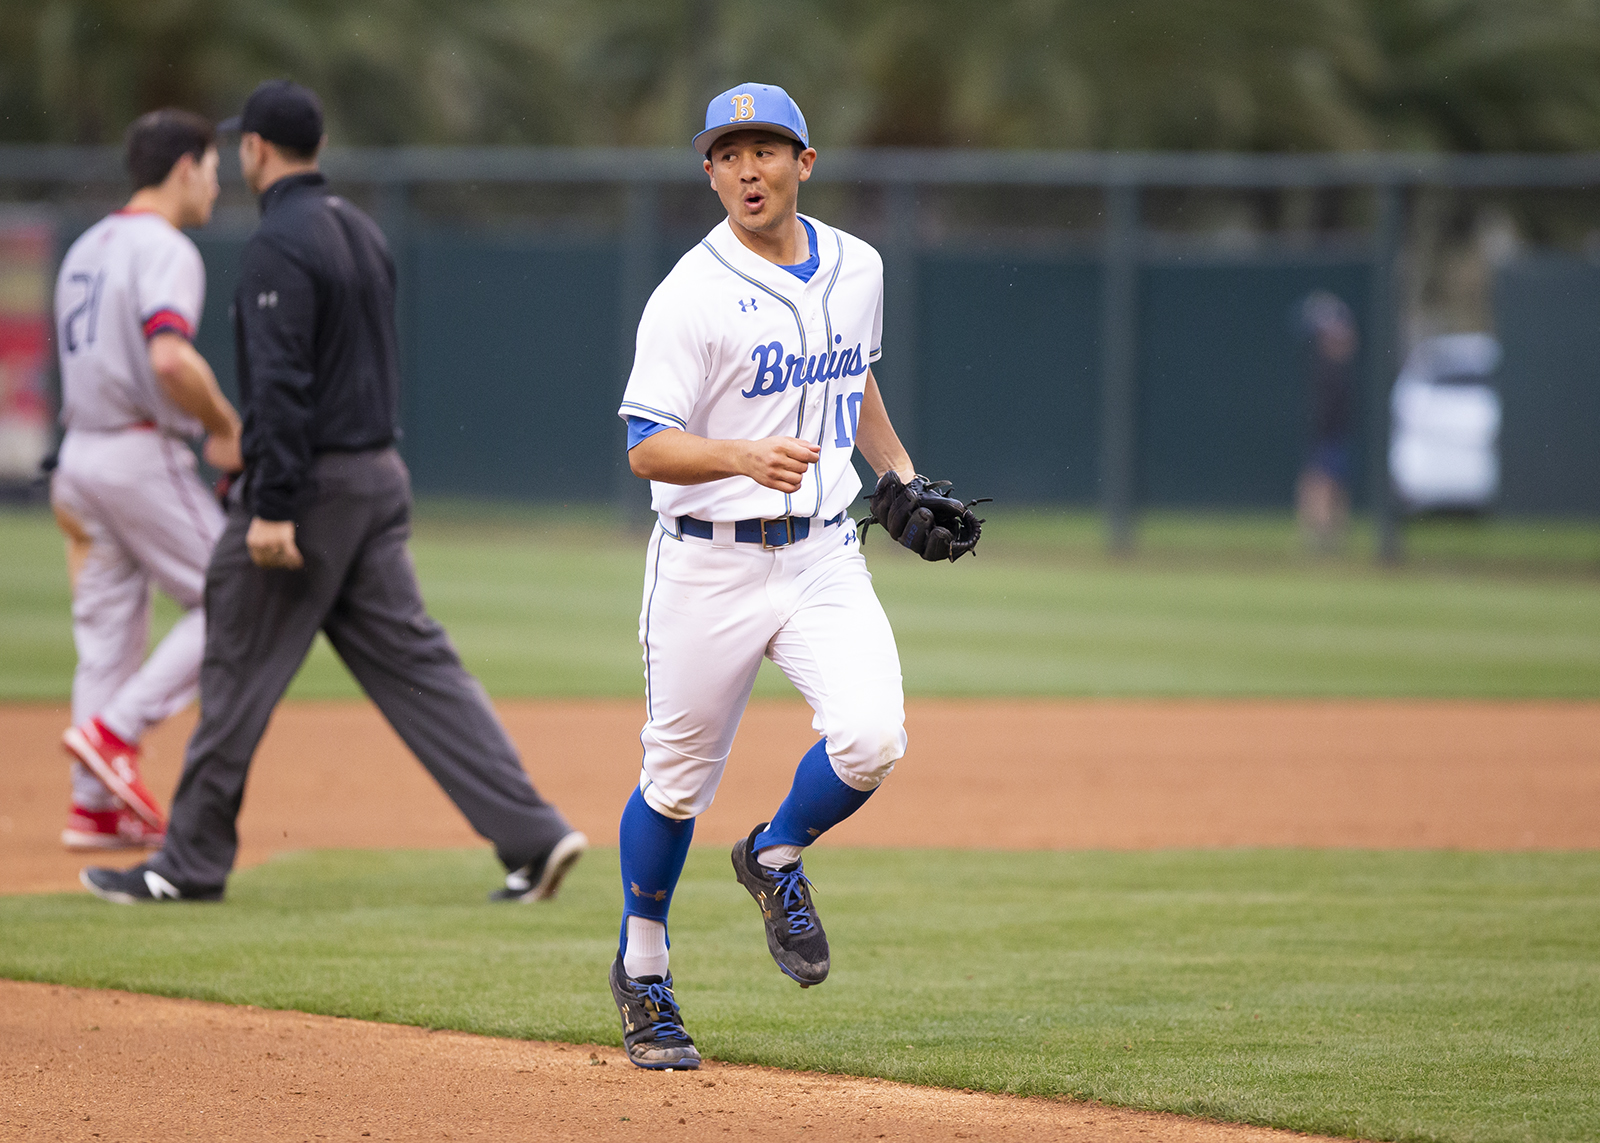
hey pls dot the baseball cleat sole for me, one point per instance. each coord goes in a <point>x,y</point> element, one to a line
<point>653,1035</point>
<point>106,892</point>
<point>783,895</point>
<point>139,886</point>
<point>132,793</point>
<point>557,864</point>
<point>80,841</point>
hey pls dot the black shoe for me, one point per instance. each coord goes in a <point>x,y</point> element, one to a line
<point>652,1029</point>
<point>794,931</point>
<point>539,880</point>
<point>140,885</point>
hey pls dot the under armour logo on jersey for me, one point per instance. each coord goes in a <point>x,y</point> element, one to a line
<point>658,895</point>
<point>744,107</point>
<point>747,305</point>
<point>267,300</point>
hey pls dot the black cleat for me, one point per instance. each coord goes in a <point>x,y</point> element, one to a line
<point>140,885</point>
<point>794,931</point>
<point>652,1029</point>
<point>540,880</point>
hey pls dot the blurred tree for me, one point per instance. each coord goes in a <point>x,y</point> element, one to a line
<point>1224,74</point>
<point>1229,74</point>
<point>389,71</point>
<point>1482,75</point>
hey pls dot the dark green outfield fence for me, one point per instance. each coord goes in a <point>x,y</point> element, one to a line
<point>1547,309</point>
<point>514,363</point>
<point>514,386</point>
<point>1116,363</point>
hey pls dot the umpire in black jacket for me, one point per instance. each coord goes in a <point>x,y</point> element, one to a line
<point>316,537</point>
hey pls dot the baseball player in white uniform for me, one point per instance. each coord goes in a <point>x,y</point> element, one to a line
<point>125,490</point>
<point>751,387</point>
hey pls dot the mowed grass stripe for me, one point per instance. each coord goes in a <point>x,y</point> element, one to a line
<point>546,604</point>
<point>1429,996</point>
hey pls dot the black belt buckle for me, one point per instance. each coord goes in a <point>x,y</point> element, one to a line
<point>788,533</point>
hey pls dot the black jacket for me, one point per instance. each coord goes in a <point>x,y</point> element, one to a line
<point>313,328</point>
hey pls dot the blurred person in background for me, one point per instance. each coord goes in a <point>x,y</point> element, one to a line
<point>1444,453</point>
<point>134,393</point>
<point>1322,494</point>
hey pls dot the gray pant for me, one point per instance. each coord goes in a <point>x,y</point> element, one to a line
<point>358,586</point>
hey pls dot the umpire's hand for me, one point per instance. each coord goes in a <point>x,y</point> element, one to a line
<point>271,544</point>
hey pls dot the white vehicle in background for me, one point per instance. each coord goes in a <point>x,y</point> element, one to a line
<point>1444,441</point>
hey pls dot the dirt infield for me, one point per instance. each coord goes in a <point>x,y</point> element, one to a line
<point>1026,775</point>
<point>215,1072</point>
<point>1118,775</point>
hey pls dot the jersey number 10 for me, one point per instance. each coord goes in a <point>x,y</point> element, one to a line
<point>845,437</point>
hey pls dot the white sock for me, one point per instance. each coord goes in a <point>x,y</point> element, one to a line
<point>646,952</point>
<point>777,856</point>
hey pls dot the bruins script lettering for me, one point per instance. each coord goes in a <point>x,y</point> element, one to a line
<point>776,372</point>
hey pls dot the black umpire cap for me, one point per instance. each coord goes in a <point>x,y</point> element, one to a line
<point>282,112</point>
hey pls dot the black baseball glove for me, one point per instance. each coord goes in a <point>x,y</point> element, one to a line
<point>922,516</point>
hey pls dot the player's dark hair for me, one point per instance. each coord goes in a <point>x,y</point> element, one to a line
<point>157,140</point>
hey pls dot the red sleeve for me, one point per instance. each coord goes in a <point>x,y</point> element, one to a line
<point>167,321</point>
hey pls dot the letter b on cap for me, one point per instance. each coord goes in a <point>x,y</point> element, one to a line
<point>744,107</point>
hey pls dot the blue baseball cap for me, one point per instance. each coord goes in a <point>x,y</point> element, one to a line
<point>752,105</point>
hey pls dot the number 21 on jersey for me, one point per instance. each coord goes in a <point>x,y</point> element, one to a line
<point>87,311</point>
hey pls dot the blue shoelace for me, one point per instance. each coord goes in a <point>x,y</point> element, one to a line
<point>791,888</point>
<point>668,1023</point>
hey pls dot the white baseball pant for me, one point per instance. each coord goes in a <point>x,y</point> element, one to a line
<point>150,521</point>
<point>713,608</point>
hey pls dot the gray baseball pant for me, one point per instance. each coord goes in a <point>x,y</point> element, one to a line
<point>359,587</point>
<point>150,522</point>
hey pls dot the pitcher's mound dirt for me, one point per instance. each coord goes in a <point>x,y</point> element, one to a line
<point>81,1065</point>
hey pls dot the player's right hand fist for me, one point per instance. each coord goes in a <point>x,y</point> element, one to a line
<point>780,462</point>
<point>271,544</point>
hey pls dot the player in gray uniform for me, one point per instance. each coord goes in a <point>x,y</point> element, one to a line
<point>125,490</point>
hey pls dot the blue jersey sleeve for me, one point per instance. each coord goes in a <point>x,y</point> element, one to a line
<point>641,427</point>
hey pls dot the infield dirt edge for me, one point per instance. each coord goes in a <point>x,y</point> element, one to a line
<point>1136,775</point>
<point>294,1072</point>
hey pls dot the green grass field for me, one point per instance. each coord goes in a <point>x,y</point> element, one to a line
<point>546,603</point>
<point>1427,996</point>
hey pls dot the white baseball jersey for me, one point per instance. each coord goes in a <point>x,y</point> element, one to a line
<point>128,277</point>
<point>733,347</point>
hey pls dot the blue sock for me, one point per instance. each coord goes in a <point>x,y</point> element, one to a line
<point>653,850</point>
<point>817,802</point>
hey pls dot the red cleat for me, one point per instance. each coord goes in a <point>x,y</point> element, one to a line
<point>116,763</point>
<point>120,828</point>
